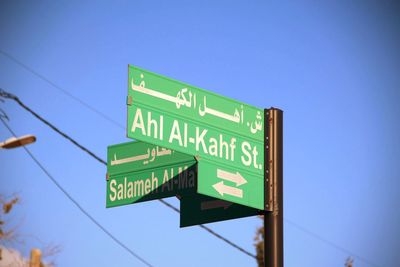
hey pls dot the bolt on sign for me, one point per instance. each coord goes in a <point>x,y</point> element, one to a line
<point>225,136</point>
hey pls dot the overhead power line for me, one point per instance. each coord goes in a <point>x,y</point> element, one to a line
<point>166,203</point>
<point>15,98</point>
<point>330,243</point>
<point>91,218</point>
<point>93,109</point>
<point>59,88</point>
<point>212,232</point>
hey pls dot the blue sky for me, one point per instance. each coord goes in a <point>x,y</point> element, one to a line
<point>332,66</point>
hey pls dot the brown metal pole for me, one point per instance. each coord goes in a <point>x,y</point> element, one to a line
<point>273,215</point>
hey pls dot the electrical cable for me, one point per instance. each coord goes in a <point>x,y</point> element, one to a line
<point>91,218</point>
<point>328,242</point>
<point>165,203</point>
<point>7,95</point>
<point>212,232</point>
<point>43,78</point>
<point>15,98</point>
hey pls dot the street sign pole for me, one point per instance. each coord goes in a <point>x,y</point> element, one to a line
<point>273,164</point>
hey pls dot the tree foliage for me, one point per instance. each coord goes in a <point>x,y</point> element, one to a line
<point>259,244</point>
<point>8,236</point>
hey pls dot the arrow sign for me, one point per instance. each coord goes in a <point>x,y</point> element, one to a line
<point>230,184</point>
<point>233,177</point>
<point>199,209</point>
<point>228,190</point>
<point>215,204</point>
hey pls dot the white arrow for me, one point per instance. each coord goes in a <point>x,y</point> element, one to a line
<point>215,204</point>
<point>229,190</point>
<point>233,177</point>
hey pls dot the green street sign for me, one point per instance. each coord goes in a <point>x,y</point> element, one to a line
<point>200,123</point>
<point>231,184</point>
<point>140,172</point>
<point>199,209</point>
<point>167,181</point>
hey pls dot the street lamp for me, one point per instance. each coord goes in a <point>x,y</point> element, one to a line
<point>14,142</point>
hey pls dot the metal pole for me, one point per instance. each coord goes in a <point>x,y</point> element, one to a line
<point>273,215</point>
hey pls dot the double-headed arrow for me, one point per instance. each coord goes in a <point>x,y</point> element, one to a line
<point>230,176</point>
<point>215,204</point>
<point>237,178</point>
